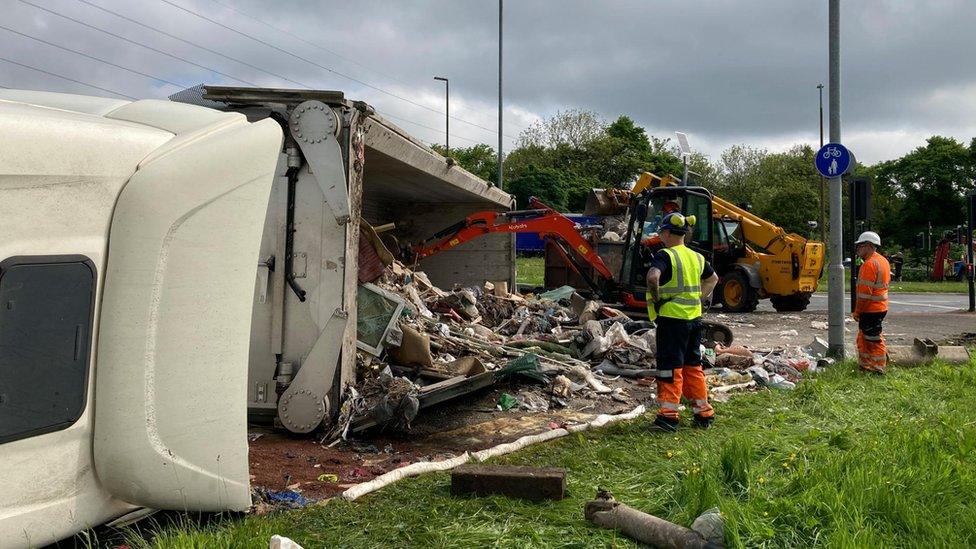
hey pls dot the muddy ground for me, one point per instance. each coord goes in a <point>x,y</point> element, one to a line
<point>472,422</point>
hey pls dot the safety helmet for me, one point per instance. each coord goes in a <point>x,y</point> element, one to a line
<point>677,223</point>
<point>869,236</point>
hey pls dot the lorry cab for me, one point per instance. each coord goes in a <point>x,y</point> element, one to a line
<point>112,283</point>
<point>170,270</point>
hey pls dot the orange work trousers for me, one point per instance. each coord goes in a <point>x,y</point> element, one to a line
<point>688,381</point>
<point>872,355</point>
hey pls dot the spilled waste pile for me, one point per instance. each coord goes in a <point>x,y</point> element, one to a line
<point>420,345</point>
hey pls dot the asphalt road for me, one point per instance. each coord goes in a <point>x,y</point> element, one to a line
<point>897,303</point>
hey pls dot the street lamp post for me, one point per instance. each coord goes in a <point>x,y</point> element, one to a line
<point>501,185</point>
<point>447,114</point>
<point>823,206</point>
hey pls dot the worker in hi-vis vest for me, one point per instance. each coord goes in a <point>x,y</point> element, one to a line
<point>873,279</point>
<point>676,281</point>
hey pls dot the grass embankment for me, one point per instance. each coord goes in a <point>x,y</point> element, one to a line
<point>843,460</point>
<point>531,270</point>
<point>912,287</point>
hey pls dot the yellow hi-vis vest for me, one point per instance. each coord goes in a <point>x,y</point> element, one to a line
<point>681,295</point>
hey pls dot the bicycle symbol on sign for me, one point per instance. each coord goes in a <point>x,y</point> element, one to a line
<point>832,151</point>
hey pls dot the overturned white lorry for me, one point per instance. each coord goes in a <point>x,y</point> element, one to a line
<point>167,269</point>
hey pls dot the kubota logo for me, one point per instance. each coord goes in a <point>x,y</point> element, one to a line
<point>454,242</point>
<point>517,226</point>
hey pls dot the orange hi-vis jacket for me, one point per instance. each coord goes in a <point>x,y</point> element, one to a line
<point>873,279</point>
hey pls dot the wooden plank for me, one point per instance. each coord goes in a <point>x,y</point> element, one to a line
<point>467,385</point>
<point>433,387</point>
<point>533,483</point>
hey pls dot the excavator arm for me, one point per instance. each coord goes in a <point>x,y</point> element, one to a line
<point>756,230</point>
<point>549,224</point>
<point>554,227</point>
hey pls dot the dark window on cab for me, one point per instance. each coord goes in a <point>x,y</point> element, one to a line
<point>46,309</point>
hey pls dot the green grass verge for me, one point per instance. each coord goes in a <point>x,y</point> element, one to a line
<point>952,287</point>
<point>844,460</point>
<point>924,287</point>
<point>530,270</point>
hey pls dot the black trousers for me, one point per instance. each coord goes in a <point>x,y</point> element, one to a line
<point>678,343</point>
<point>870,323</point>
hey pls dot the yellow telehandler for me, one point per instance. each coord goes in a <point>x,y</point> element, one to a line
<point>755,258</point>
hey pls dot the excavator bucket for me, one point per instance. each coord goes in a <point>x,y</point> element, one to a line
<point>606,202</point>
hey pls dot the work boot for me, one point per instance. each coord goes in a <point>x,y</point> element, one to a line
<point>665,424</point>
<point>872,371</point>
<point>702,422</point>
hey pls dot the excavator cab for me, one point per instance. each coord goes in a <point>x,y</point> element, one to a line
<point>642,241</point>
<point>729,244</point>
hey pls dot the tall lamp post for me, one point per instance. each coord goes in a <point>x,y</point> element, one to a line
<point>823,224</point>
<point>500,183</point>
<point>447,114</point>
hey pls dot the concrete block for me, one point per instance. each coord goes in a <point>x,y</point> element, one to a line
<point>532,483</point>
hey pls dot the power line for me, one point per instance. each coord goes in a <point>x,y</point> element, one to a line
<point>99,59</point>
<point>194,44</point>
<point>318,46</point>
<point>303,40</point>
<point>215,52</point>
<point>157,78</point>
<point>63,77</point>
<point>150,48</point>
<point>438,130</point>
<point>329,69</point>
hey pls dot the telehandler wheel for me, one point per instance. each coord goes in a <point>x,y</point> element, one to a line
<point>791,303</point>
<point>736,294</point>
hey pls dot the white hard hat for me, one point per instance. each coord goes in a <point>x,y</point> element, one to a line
<point>869,236</point>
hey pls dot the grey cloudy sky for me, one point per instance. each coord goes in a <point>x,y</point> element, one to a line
<point>723,71</point>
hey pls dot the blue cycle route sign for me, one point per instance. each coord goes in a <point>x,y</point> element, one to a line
<point>834,160</point>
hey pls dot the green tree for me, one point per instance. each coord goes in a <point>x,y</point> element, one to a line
<point>787,176</point>
<point>932,180</point>
<point>589,153</point>
<point>479,159</point>
<point>547,184</point>
<point>739,179</point>
<point>573,127</point>
<point>704,172</point>
<point>789,208</point>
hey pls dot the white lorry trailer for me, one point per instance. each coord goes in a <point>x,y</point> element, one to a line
<point>167,268</point>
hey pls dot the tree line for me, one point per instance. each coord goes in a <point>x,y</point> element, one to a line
<point>559,159</point>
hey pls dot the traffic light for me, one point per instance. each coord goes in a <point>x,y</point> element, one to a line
<point>861,198</point>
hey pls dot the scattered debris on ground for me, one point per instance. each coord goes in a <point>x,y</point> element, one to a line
<point>281,542</point>
<point>532,483</point>
<point>643,527</point>
<point>552,359</point>
<point>421,345</point>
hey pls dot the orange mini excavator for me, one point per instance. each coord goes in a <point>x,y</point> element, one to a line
<point>626,288</point>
